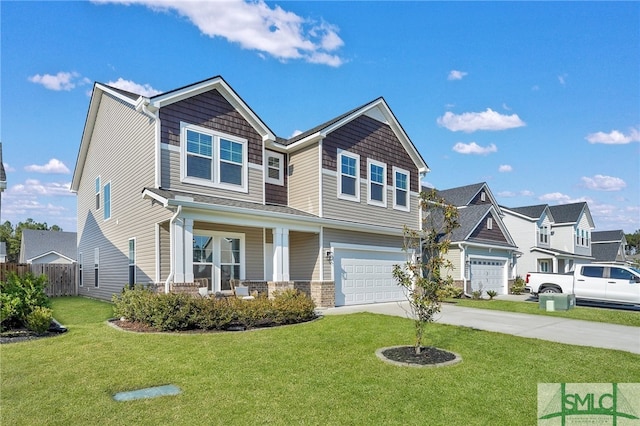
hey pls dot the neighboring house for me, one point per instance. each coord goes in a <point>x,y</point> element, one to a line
<point>3,252</point>
<point>191,188</point>
<point>609,246</point>
<point>551,238</point>
<point>482,252</point>
<point>39,246</point>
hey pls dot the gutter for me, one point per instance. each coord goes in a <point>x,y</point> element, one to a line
<point>167,283</point>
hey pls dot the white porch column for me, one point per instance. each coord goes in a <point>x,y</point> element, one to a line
<point>280,254</point>
<point>178,250</point>
<point>188,250</point>
<point>555,265</point>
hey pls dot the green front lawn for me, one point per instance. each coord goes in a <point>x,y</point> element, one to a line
<point>323,372</point>
<point>612,316</point>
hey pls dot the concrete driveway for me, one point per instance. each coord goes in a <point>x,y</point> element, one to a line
<point>573,332</point>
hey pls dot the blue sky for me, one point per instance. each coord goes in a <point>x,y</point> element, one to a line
<point>540,100</point>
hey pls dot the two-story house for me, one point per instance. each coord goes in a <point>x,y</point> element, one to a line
<point>551,238</point>
<point>191,188</point>
<point>482,252</point>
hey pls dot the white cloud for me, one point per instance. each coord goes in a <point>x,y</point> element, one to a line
<point>561,198</point>
<point>33,187</point>
<point>61,81</point>
<point>456,75</point>
<point>527,193</point>
<point>295,133</point>
<point>614,137</point>
<point>130,86</point>
<point>471,121</point>
<point>474,148</point>
<point>504,168</point>
<point>563,79</point>
<point>604,183</point>
<point>506,194</point>
<point>8,168</point>
<point>254,25</point>
<point>53,166</point>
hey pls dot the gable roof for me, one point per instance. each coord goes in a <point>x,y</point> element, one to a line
<point>463,195</point>
<point>150,105</point>
<point>616,236</point>
<point>533,212</point>
<point>569,213</point>
<point>605,252</point>
<point>37,243</point>
<point>377,109</point>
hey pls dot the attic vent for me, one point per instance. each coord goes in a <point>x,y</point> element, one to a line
<point>489,223</point>
<point>483,197</point>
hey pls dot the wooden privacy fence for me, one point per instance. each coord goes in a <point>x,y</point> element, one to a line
<point>61,278</point>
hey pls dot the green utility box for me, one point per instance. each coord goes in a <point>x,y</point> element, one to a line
<point>557,301</point>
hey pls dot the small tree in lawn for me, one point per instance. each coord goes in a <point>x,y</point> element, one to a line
<point>422,279</point>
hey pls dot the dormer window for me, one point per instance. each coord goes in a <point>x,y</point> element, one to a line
<point>543,232</point>
<point>212,158</point>
<point>348,176</point>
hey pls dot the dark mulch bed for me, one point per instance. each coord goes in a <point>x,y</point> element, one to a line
<point>15,335</point>
<point>428,355</point>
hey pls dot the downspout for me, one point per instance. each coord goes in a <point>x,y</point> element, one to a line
<point>167,283</point>
<point>464,272</point>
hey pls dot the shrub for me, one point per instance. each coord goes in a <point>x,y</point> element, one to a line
<point>450,291</point>
<point>518,285</point>
<point>19,297</point>
<point>175,311</point>
<point>39,319</point>
<point>492,294</point>
<point>292,306</point>
<point>476,294</point>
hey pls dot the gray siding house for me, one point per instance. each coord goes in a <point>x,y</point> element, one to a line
<point>37,246</point>
<point>482,251</point>
<point>609,247</point>
<point>191,189</point>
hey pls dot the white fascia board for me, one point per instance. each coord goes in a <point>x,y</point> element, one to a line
<point>226,91</point>
<point>48,253</point>
<point>155,197</point>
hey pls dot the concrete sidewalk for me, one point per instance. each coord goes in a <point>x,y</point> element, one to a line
<point>562,330</point>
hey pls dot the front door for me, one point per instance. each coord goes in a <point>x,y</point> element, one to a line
<point>218,257</point>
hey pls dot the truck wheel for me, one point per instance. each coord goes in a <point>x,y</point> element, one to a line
<point>550,290</point>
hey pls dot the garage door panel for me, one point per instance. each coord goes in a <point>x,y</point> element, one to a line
<point>488,275</point>
<point>365,276</point>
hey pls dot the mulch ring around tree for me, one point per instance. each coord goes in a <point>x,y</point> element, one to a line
<point>405,356</point>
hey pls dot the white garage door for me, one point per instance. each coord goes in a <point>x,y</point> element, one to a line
<point>488,275</point>
<point>365,276</point>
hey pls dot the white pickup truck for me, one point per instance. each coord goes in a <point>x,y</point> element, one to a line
<point>599,282</point>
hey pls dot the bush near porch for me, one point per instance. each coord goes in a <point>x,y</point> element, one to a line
<point>179,311</point>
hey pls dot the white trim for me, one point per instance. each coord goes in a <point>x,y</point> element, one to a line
<point>280,156</point>
<point>98,194</point>
<point>356,157</point>
<point>396,206</point>
<point>383,202</point>
<point>216,161</point>
<point>170,148</point>
<point>362,247</point>
<point>47,254</point>
<point>216,260</point>
<point>320,180</point>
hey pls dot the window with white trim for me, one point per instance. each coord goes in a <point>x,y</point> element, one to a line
<point>80,281</point>
<point>400,189</point>
<point>214,159</point>
<point>582,237</point>
<point>377,174</point>
<point>543,266</point>
<point>132,262</point>
<point>348,176</point>
<point>274,168</point>
<point>98,187</point>
<point>107,201</point>
<point>543,234</point>
<point>96,267</point>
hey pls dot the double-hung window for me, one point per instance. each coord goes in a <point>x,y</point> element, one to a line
<point>544,234</point>
<point>214,159</point>
<point>377,183</point>
<point>274,172</point>
<point>132,262</point>
<point>401,189</point>
<point>348,176</point>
